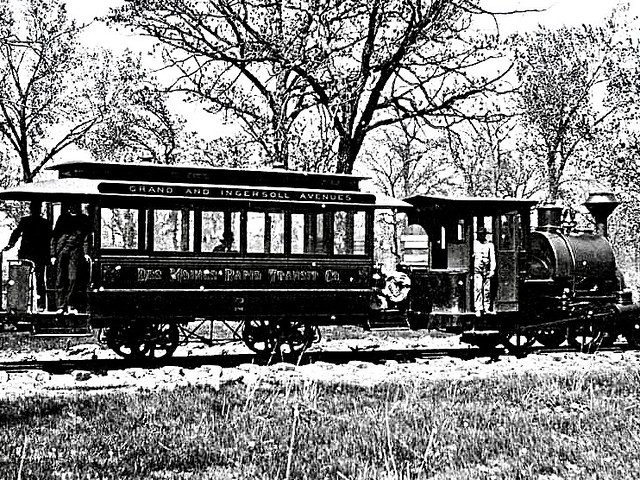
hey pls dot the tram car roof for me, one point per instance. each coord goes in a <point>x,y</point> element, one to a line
<point>87,181</point>
<point>444,206</point>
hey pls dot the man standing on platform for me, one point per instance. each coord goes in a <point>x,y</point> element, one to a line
<point>484,266</point>
<point>36,234</point>
<point>70,253</point>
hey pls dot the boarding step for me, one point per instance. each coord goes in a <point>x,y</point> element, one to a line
<point>62,325</point>
<point>482,338</point>
<point>63,335</point>
<point>389,320</point>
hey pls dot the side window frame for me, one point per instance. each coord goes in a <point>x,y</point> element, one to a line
<point>140,229</point>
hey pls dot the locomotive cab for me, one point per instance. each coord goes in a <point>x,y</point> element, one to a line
<point>446,284</point>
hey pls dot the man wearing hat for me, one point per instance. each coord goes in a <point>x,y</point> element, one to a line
<point>226,242</point>
<point>484,266</point>
<point>69,253</point>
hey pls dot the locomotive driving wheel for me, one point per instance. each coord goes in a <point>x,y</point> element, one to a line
<point>551,337</point>
<point>587,338</point>
<point>277,337</point>
<point>633,335</point>
<point>518,341</point>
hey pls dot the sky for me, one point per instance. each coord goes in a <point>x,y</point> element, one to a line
<point>553,13</point>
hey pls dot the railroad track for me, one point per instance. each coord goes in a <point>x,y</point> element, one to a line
<point>226,361</point>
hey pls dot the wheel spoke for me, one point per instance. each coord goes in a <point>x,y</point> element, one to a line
<point>586,338</point>
<point>277,337</point>
<point>127,340</point>
<point>163,341</point>
<point>135,340</point>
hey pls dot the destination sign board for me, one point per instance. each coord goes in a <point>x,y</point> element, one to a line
<point>235,193</point>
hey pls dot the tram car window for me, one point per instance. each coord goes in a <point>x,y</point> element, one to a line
<point>119,228</point>
<point>172,230</point>
<point>349,233</point>
<point>265,232</point>
<point>220,231</point>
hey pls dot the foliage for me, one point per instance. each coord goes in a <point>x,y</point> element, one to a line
<point>619,168</point>
<point>39,59</point>
<point>137,123</point>
<point>569,425</point>
<point>286,71</point>
<point>562,73</point>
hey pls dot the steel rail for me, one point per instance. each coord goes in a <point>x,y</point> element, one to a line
<point>62,366</point>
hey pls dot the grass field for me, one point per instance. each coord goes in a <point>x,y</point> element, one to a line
<point>528,427</point>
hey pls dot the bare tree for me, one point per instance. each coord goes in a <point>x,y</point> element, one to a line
<point>362,64</point>
<point>403,163</point>
<point>41,109</point>
<point>491,158</point>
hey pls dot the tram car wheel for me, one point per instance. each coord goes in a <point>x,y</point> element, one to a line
<point>138,339</point>
<point>277,337</point>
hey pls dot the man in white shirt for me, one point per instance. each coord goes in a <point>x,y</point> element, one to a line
<point>484,266</point>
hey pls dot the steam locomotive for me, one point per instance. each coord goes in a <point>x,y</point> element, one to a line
<point>551,284</point>
<point>301,256</point>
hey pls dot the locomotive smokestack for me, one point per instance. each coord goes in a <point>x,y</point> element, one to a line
<point>600,206</point>
<point>549,217</point>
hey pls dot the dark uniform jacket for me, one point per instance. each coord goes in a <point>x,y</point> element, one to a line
<point>70,234</point>
<point>36,234</point>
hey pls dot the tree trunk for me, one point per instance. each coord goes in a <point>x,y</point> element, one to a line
<point>553,179</point>
<point>348,150</point>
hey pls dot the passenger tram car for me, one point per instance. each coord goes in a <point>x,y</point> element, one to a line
<point>275,254</point>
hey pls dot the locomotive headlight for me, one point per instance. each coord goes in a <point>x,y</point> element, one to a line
<point>12,282</point>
